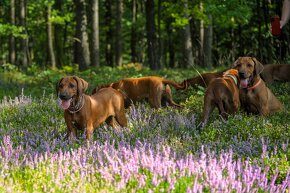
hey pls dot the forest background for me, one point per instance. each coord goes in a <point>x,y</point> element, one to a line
<point>156,33</point>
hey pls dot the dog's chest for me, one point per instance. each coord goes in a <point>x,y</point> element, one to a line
<point>77,121</point>
<point>249,101</point>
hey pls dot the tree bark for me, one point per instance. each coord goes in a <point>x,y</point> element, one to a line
<point>187,53</point>
<point>24,56</point>
<point>82,53</point>
<point>151,36</point>
<point>59,39</point>
<point>170,43</point>
<point>50,38</point>
<point>109,33</point>
<point>201,48</point>
<point>12,52</point>
<point>208,38</point>
<point>95,47</point>
<point>119,40</point>
<point>133,32</point>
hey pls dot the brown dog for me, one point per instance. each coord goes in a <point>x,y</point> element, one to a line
<point>88,112</point>
<point>255,97</point>
<point>276,72</point>
<point>150,87</point>
<point>224,93</point>
<point>203,79</point>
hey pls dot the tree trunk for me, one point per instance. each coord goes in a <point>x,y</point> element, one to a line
<point>50,38</point>
<point>108,33</point>
<point>170,43</point>
<point>24,56</point>
<point>187,46</point>
<point>208,37</point>
<point>12,52</point>
<point>187,54</point>
<point>119,40</point>
<point>133,32</point>
<point>201,33</point>
<point>151,36</point>
<point>82,53</point>
<point>59,39</point>
<point>95,47</point>
<point>160,38</point>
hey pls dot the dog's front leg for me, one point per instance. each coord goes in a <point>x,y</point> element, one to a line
<point>71,130</point>
<point>89,131</point>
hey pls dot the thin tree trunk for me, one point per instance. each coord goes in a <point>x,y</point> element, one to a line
<point>12,52</point>
<point>151,36</point>
<point>50,38</point>
<point>24,41</point>
<point>160,39</point>
<point>201,50</point>
<point>59,40</point>
<point>119,40</point>
<point>95,47</point>
<point>187,54</point>
<point>170,43</point>
<point>109,33</point>
<point>133,32</point>
<point>82,53</point>
<point>208,37</point>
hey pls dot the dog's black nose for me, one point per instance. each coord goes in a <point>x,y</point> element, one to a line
<point>63,96</point>
<point>242,74</point>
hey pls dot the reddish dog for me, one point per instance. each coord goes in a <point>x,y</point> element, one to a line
<point>150,87</point>
<point>224,93</point>
<point>203,79</point>
<point>276,72</point>
<point>88,112</point>
<point>254,95</point>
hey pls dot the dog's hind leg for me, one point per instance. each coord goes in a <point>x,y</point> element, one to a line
<point>155,96</point>
<point>208,108</point>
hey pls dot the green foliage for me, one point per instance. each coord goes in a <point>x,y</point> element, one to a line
<point>16,31</point>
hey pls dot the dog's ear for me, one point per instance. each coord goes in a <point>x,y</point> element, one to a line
<point>82,84</point>
<point>57,85</point>
<point>258,66</point>
<point>236,63</point>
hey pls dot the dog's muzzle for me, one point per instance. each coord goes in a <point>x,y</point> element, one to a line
<point>64,100</point>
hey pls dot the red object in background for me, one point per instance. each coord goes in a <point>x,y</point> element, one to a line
<point>275,26</point>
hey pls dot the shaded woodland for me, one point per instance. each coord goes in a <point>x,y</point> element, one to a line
<point>156,33</point>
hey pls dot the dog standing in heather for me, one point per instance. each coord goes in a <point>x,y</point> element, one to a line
<point>88,112</point>
<point>255,96</point>
<point>222,93</point>
<point>153,88</point>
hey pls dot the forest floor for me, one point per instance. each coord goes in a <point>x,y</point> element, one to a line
<point>160,150</point>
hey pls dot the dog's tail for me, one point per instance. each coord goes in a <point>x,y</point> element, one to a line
<point>180,86</point>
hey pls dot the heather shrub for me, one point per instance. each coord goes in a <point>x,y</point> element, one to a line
<point>160,151</point>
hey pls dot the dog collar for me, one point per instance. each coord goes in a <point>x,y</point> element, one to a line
<point>254,86</point>
<point>233,77</point>
<point>78,106</point>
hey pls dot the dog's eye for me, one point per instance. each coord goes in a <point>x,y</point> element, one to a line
<point>249,65</point>
<point>71,85</point>
<point>60,86</point>
<point>238,65</point>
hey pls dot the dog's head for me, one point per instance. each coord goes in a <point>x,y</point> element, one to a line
<point>248,68</point>
<point>69,89</point>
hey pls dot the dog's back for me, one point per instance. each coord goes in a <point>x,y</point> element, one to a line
<point>276,72</point>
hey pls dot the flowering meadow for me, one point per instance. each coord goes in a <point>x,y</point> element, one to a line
<point>160,150</point>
